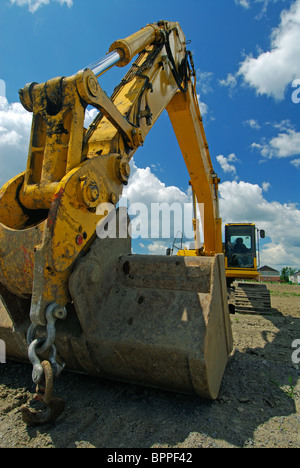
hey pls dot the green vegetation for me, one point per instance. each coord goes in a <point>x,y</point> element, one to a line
<point>286,272</point>
<point>284,293</point>
<point>289,390</point>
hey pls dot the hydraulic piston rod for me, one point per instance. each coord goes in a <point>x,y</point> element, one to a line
<point>105,63</point>
<point>122,51</point>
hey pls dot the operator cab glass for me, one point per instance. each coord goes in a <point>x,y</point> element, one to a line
<point>240,246</point>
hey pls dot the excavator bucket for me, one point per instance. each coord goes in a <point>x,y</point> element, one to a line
<point>155,320</point>
<point>158,321</point>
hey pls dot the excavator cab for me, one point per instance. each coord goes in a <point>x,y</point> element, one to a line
<point>241,253</point>
<point>241,263</point>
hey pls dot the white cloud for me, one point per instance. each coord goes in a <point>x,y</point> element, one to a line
<point>284,125</point>
<point>226,163</point>
<point>279,256</point>
<point>252,123</point>
<point>244,202</point>
<point>203,106</point>
<point>230,81</point>
<point>90,114</point>
<point>265,186</point>
<point>158,248</point>
<point>243,3</point>
<point>296,162</point>
<point>145,187</point>
<point>204,80</point>
<point>147,194</point>
<point>204,109</point>
<point>248,3</point>
<point>15,125</point>
<point>272,71</point>
<point>284,145</point>
<point>239,202</point>
<point>34,5</point>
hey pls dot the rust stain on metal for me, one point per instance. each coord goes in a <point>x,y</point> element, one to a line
<point>52,215</point>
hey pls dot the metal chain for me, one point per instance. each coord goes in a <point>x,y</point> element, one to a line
<point>44,372</point>
<point>40,345</point>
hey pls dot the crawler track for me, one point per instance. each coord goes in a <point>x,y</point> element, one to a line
<point>252,298</point>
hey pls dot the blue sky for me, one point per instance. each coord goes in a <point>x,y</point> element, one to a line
<point>247,57</point>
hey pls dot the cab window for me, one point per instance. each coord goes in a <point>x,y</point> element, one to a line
<point>240,246</point>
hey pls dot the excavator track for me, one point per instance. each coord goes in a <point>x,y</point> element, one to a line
<point>252,298</point>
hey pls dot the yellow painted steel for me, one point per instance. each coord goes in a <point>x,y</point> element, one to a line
<point>153,320</point>
<point>187,123</point>
<point>48,215</point>
<point>135,43</point>
<point>242,273</point>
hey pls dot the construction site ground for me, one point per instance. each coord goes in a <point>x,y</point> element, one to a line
<point>258,405</point>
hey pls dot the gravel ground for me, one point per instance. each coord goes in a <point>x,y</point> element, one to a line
<point>258,404</point>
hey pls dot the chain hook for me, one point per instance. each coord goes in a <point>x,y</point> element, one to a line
<point>46,370</point>
<point>54,406</point>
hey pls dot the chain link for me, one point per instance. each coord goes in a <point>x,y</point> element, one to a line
<point>41,345</point>
<point>44,372</point>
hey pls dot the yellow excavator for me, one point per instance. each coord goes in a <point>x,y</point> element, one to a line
<point>241,251</point>
<point>241,248</point>
<point>72,299</point>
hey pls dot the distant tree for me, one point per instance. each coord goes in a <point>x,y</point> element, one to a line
<point>286,272</point>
